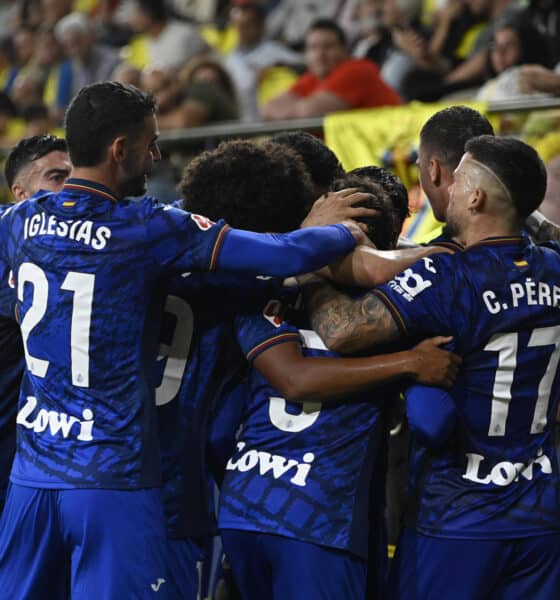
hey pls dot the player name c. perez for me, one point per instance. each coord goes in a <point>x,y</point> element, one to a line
<point>79,231</point>
<point>529,293</point>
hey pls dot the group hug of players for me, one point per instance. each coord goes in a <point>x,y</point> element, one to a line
<point>164,350</point>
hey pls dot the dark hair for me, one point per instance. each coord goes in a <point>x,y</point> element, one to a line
<point>251,6</point>
<point>29,150</point>
<point>98,114</point>
<point>260,187</point>
<point>532,43</point>
<point>157,9</point>
<point>446,132</point>
<point>321,162</point>
<point>518,166</point>
<point>394,188</point>
<point>197,63</point>
<point>379,227</point>
<point>329,25</point>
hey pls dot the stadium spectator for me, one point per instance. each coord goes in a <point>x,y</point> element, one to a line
<point>170,43</point>
<point>91,62</point>
<point>514,42</point>
<point>129,74</point>
<point>52,11</point>
<point>333,80</point>
<point>56,71</point>
<point>247,63</point>
<point>196,102</point>
<point>290,20</point>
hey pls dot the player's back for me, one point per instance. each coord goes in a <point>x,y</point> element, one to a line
<point>497,476</point>
<point>301,470</point>
<point>89,273</point>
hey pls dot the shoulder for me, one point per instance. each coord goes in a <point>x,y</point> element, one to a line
<point>357,66</point>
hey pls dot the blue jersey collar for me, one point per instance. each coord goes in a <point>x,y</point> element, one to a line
<point>89,187</point>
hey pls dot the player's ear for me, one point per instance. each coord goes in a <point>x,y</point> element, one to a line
<point>18,192</point>
<point>434,169</point>
<point>119,149</point>
<point>477,200</point>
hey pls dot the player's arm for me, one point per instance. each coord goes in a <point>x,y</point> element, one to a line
<point>431,414</point>
<point>347,325</point>
<point>302,378</point>
<point>282,255</point>
<point>367,267</point>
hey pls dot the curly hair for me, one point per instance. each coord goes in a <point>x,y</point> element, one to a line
<point>256,186</point>
<point>380,227</point>
<point>394,188</point>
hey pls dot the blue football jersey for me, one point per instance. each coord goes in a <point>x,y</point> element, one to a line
<point>301,470</point>
<point>199,359</point>
<point>497,476</point>
<point>90,275</point>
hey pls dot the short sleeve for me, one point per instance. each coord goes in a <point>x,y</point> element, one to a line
<point>182,241</point>
<point>421,297</point>
<point>260,330</point>
<point>359,84</point>
<point>304,86</point>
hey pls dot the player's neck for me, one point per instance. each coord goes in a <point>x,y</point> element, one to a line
<point>96,175</point>
<point>482,229</point>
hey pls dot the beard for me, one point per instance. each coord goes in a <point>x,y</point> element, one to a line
<point>135,186</point>
<point>452,230</point>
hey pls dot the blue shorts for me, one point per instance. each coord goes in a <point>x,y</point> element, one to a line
<point>185,559</point>
<point>276,568</point>
<point>430,567</point>
<point>102,544</point>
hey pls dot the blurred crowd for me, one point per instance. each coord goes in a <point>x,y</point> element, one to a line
<point>220,60</point>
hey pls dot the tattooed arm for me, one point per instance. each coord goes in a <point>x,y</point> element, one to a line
<point>344,324</point>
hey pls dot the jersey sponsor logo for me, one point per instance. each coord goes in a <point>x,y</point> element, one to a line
<point>58,423</point>
<point>202,222</point>
<point>504,473</point>
<point>409,284</point>
<point>79,231</point>
<point>273,465</point>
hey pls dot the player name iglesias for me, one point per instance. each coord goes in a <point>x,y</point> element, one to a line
<point>79,231</point>
<point>529,292</point>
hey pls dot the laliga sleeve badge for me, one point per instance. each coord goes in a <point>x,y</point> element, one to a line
<point>203,223</point>
<point>272,312</point>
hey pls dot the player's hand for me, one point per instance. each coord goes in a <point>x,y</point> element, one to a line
<point>436,366</point>
<point>358,230</point>
<point>336,207</point>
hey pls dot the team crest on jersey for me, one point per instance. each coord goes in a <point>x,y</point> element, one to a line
<point>273,312</point>
<point>203,223</point>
